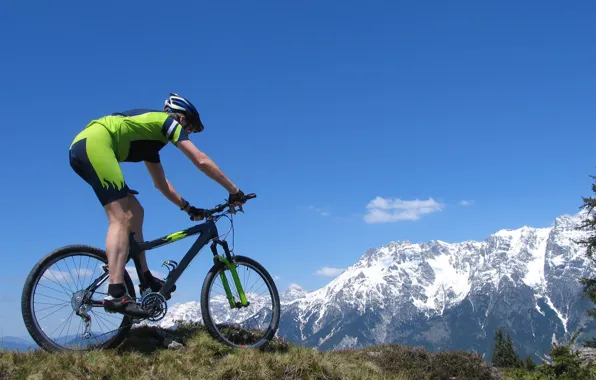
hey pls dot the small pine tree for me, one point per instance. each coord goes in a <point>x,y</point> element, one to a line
<point>589,225</point>
<point>498,358</point>
<point>512,357</point>
<point>529,363</point>
<point>504,354</point>
<point>566,363</point>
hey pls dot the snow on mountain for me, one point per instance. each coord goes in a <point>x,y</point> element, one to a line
<point>432,293</point>
<point>187,312</point>
<point>191,311</point>
<point>222,313</point>
<point>445,295</point>
<point>293,292</point>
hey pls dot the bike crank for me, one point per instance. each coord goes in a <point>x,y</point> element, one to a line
<point>156,304</point>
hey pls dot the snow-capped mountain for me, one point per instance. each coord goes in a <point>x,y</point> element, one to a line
<point>446,295</point>
<point>191,311</point>
<point>453,295</point>
<point>293,292</point>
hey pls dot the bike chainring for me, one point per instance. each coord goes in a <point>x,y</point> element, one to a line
<point>156,304</point>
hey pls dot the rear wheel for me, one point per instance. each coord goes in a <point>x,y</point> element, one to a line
<point>251,326</point>
<point>57,287</point>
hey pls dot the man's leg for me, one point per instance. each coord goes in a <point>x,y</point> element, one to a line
<point>138,215</point>
<point>119,218</point>
<point>92,157</point>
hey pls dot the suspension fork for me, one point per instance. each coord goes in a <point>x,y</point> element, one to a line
<point>228,262</point>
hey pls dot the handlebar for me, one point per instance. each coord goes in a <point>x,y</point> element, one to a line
<point>223,206</point>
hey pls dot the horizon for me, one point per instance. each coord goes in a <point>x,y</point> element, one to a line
<point>335,273</point>
<point>355,125</point>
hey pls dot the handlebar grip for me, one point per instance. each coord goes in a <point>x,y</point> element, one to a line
<point>250,196</point>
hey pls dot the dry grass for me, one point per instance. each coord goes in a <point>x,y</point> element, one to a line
<point>144,356</point>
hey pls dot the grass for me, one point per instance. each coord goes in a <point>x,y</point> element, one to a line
<point>144,356</point>
<point>523,374</point>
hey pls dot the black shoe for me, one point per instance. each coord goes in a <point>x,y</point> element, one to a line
<point>124,305</point>
<point>155,284</point>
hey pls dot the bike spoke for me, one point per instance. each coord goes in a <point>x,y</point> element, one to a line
<point>242,325</point>
<point>60,285</point>
<point>69,323</point>
<point>66,291</point>
<point>66,281</point>
<point>45,303</point>
<point>54,297</point>
<point>63,323</point>
<point>52,307</point>
<point>77,272</point>
<point>69,327</point>
<point>53,312</point>
<point>100,322</point>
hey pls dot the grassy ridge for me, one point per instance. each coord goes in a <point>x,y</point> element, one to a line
<point>144,356</point>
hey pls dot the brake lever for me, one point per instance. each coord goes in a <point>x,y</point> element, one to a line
<point>234,209</point>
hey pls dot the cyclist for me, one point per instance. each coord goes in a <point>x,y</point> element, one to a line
<point>134,136</point>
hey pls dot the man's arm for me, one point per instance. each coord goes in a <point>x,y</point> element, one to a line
<point>206,165</point>
<point>162,184</point>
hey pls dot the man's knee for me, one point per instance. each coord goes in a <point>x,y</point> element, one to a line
<point>138,212</point>
<point>123,219</point>
<point>119,213</point>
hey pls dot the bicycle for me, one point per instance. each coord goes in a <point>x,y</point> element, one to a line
<point>224,265</point>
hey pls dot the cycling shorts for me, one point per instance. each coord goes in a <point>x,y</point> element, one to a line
<point>93,158</point>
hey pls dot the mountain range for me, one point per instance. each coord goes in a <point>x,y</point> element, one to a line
<point>13,343</point>
<point>445,296</point>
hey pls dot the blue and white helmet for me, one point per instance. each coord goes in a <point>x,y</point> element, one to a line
<point>178,104</point>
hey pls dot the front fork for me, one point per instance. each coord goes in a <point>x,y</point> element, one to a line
<point>227,260</point>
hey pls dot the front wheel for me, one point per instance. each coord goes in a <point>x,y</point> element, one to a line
<point>230,322</point>
<point>62,301</point>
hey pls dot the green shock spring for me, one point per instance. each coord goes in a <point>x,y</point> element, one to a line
<point>226,285</point>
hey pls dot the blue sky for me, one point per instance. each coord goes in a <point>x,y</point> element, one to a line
<point>322,109</point>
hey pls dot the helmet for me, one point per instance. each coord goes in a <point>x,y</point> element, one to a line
<point>178,104</point>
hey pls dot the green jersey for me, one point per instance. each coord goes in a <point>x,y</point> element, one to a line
<point>130,136</point>
<point>138,135</point>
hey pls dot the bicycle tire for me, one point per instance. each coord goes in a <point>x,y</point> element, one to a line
<point>207,319</point>
<point>30,284</point>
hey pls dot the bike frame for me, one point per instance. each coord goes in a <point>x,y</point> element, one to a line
<point>207,231</point>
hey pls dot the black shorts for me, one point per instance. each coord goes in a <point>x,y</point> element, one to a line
<point>92,157</point>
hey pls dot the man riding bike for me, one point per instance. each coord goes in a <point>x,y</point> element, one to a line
<point>134,136</point>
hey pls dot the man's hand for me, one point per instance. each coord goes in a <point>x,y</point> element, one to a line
<point>196,213</point>
<point>237,199</point>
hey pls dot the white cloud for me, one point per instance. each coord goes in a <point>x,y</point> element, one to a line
<point>276,277</point>
<point>466,203</point>
<point>67,277</point>
<point>319,211</point>
<point>329,272</point>
<point>386,210</point>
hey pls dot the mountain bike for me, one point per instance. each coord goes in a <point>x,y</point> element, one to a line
<point>221,313</point>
